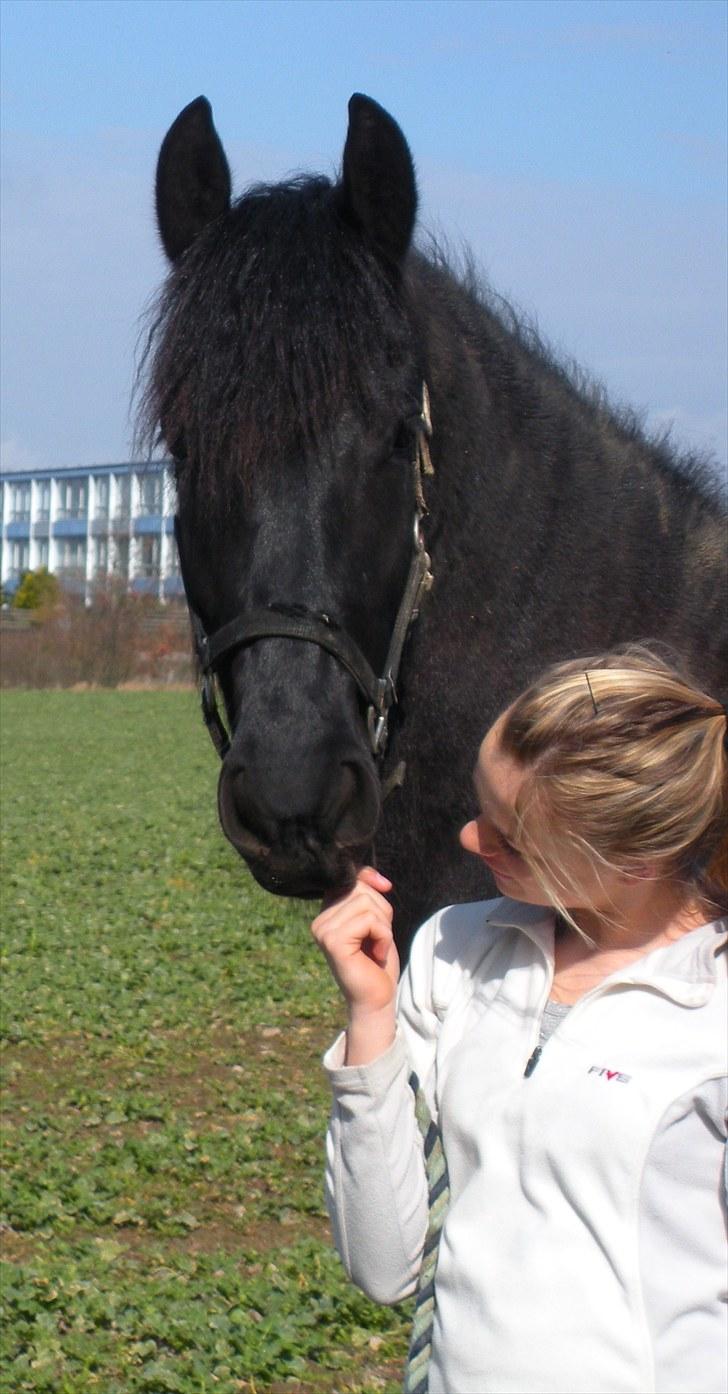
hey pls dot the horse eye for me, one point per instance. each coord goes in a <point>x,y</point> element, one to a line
<point>180,467</point>
<point>178,452</point>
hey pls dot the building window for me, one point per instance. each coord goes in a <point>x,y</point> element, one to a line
<point>44,501</point>
<point>43,553</point>
<point>123,496</point>
<point>101,556</point>
<point>72,556</point>
<point>72,498</point>
<point>101,492</point>
<point>19,557</point>
<point>121,561</point>
<point>20,504</point>
<point>173,557</point>
<point>151,495</point>
<point>149,557</point>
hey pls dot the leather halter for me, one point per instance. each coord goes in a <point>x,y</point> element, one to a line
<point>294,622</point>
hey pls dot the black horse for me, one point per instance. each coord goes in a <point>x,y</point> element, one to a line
<point>286,370</point>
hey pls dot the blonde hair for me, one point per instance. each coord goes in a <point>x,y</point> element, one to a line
<point>628,763</point>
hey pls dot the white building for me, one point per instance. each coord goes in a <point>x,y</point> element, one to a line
<point>88,524</point>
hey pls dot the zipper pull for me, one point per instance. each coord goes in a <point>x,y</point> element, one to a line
<point>532,1063</point>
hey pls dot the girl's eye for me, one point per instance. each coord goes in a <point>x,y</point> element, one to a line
<point>506,845</point>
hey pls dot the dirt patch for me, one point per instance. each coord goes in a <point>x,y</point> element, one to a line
<point>376,1375</point>
<point>16,1247</point>
<point>149,1247</point>
<point>46,1074</point>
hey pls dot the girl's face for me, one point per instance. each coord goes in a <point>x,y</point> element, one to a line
<point>498,779</point>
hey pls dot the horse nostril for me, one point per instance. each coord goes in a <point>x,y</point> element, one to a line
<point>299,810</point>
<point>341,794</point>
<point>358,804</point>
<point>242,819</point>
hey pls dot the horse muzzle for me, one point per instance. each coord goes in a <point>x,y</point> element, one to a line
<point>303,828</point>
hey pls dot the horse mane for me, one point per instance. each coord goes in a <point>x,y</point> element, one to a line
<point>540,383</point>
<point>298,320</point>
<point>301,321</point>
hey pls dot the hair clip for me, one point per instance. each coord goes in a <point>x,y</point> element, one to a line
<point>591,694</point>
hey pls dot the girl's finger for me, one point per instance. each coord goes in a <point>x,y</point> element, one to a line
<point>363,897</point>
<point>348,932</point>
<point>369,876</point>
<point>379,947</point>
<point>366,876</point>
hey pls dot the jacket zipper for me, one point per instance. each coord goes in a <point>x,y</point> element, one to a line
<point>536,1054</point>
<point>539,1050</point>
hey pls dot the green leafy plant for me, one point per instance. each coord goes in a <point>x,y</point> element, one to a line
<point>163,1101</point>
<point>38,590</point>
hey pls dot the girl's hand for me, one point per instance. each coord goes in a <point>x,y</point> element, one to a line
<point>355,933</point>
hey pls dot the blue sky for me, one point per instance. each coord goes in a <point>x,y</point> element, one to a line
<point>578,146</point>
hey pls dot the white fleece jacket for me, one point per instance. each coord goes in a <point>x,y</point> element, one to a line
<point>584,1247</point>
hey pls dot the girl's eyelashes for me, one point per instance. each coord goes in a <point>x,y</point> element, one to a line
<point>505,844</point>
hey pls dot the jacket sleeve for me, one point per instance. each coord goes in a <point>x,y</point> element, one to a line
<point>376,1190</point>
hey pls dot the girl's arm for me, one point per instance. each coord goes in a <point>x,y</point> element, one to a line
<point>376,1190</point>
<point>355,933</point>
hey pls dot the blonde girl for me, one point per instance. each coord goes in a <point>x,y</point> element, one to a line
<point>569,1041</point>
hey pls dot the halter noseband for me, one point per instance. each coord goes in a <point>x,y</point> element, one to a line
<point>293,622</point>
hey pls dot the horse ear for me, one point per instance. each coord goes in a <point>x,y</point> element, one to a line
<point>378,188</point>
<point>193,178</point>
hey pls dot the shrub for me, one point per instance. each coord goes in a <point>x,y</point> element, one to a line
<point>118,638</point>
<point>38,590</point>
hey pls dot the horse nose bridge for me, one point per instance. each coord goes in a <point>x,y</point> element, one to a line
<point>288,690</point>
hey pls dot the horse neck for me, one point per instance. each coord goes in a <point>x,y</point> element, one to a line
<point>546,510</point>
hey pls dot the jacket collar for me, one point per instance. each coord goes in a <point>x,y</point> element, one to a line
<point>685,970</point>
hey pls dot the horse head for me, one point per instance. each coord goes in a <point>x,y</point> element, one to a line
<point>285,380</point>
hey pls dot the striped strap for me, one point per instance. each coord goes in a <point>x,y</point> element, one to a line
<point>438,1195</point>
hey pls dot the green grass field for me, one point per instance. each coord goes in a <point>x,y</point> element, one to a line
<point>163,1102</point>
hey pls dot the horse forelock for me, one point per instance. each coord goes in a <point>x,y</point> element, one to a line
<point>276,320</point>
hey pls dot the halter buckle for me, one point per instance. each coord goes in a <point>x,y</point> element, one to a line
<point>377,728</point>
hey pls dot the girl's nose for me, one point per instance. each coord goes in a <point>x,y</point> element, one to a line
<point>479,837</point>
<point>469,836</point>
